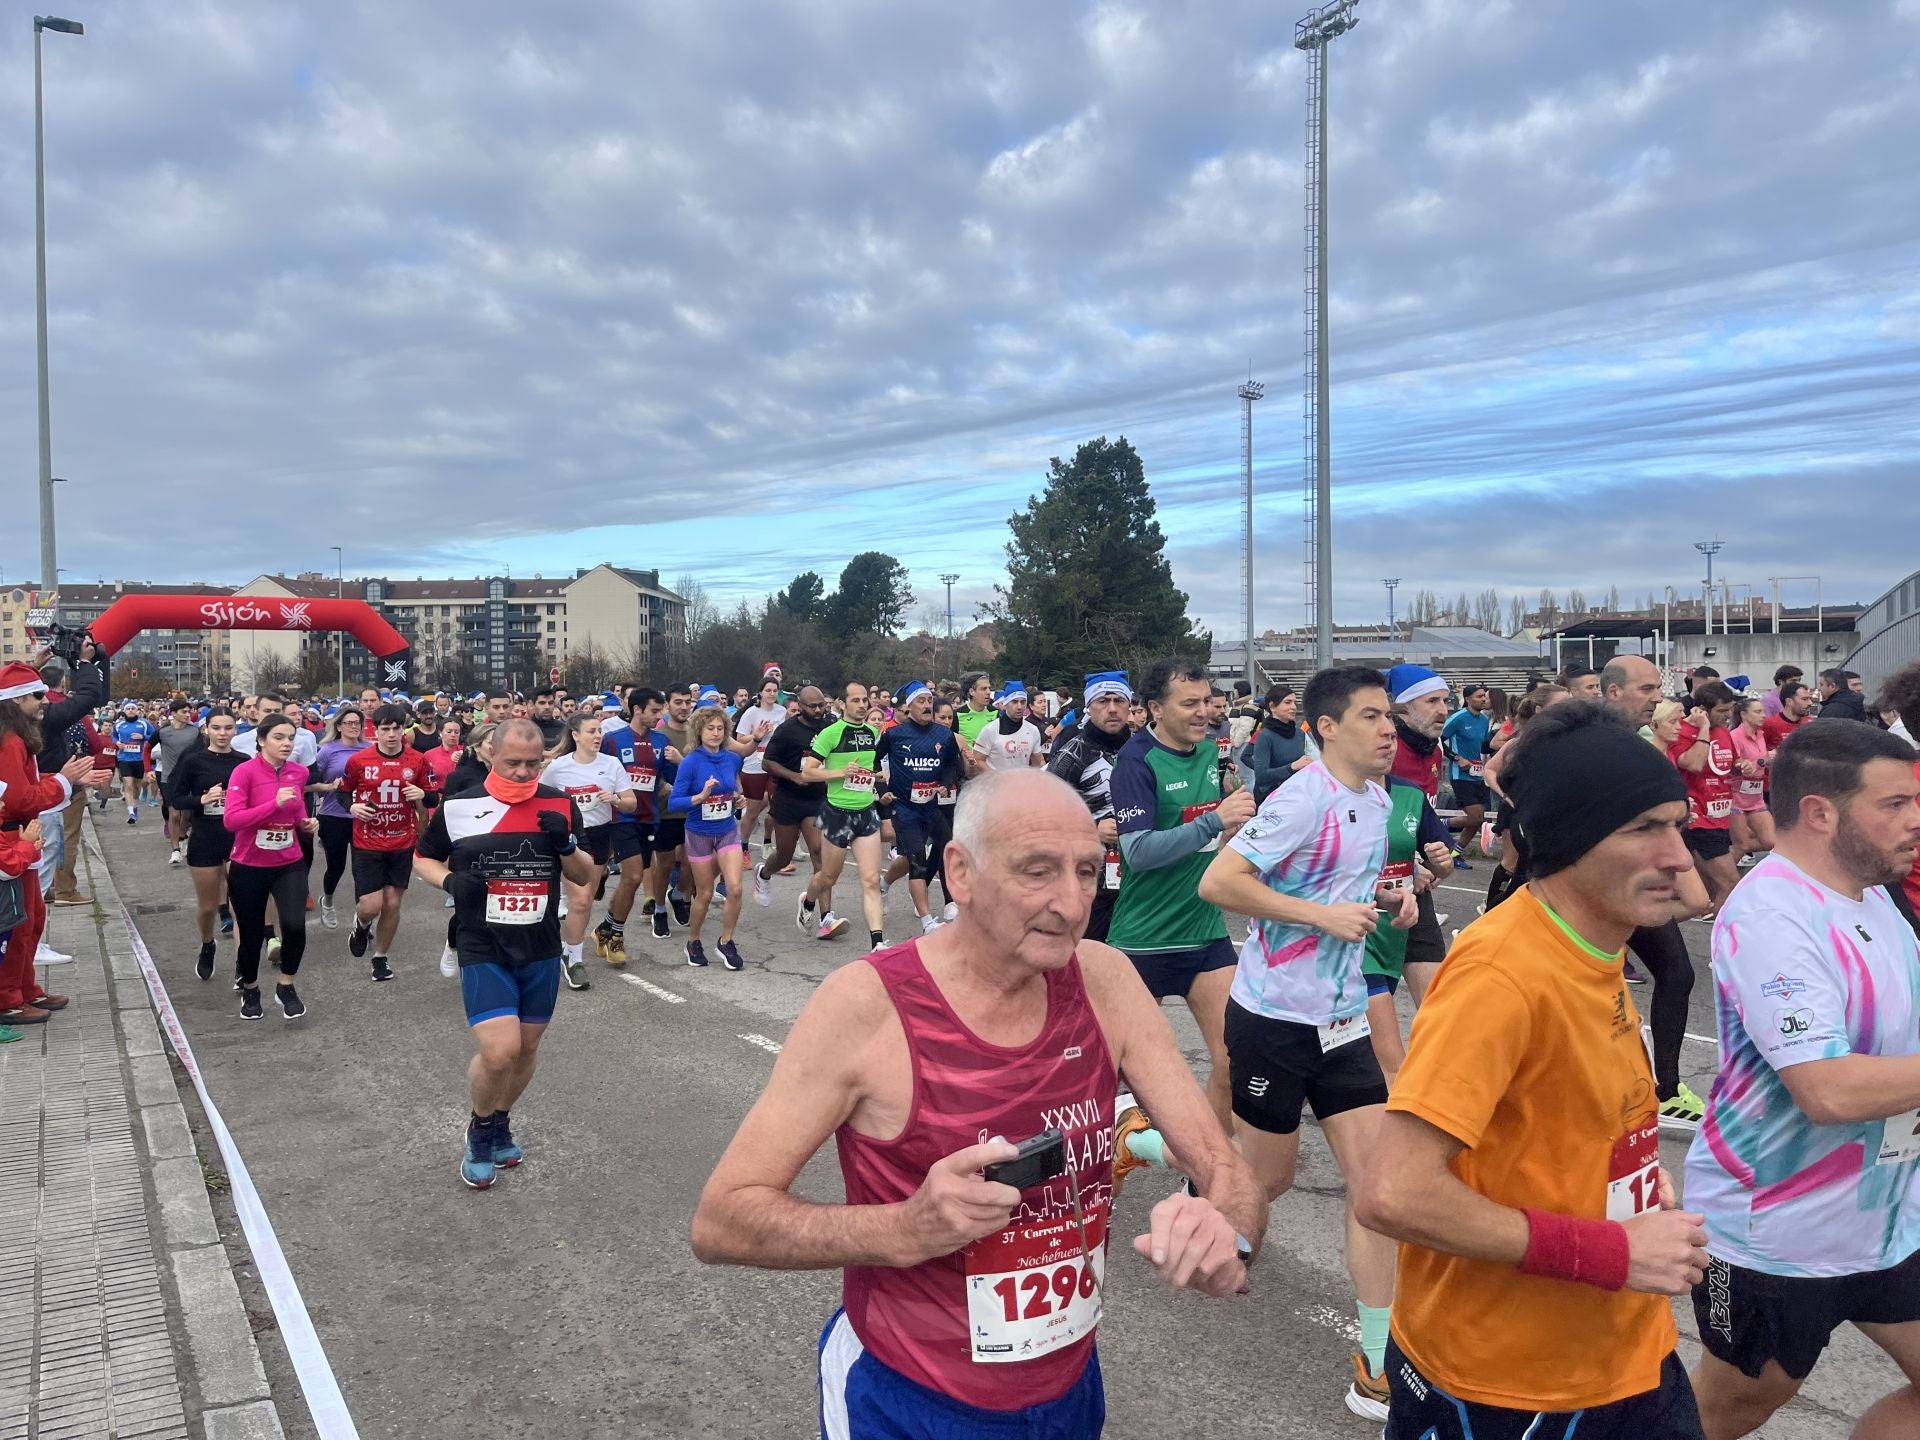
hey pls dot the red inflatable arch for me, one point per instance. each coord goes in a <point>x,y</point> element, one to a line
<point>131,614</point>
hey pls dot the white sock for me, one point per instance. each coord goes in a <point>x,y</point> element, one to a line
<point>574,952</point>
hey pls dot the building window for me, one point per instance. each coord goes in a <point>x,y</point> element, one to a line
<point>550,624</point>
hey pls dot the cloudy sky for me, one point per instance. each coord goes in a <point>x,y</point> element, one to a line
<point>741,289</point>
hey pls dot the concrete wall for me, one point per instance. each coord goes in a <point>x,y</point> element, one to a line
<point>1758,655</point>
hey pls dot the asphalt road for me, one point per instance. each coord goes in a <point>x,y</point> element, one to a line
<point>566,1300</point>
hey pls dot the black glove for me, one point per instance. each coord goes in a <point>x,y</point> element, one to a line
<point>466,888</point>
<point>554,825</point>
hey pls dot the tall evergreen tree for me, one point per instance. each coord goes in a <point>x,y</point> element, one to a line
<point>1088,583</point>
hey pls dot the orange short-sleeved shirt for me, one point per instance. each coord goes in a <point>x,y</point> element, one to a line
<point>1528,1051</point>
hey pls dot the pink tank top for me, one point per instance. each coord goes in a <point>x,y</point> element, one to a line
<point>1008,1322</point>
<point>1749,791</point>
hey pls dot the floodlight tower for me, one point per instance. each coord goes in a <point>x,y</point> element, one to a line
<point>1393,628</point>
<point>1248,393</point>
<point>1313,32</point>
<point>1709,548</point>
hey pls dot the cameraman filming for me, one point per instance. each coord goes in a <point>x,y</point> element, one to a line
<point>41,771</point>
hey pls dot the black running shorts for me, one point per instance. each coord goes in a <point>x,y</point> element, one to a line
<point>209,843</point>
<point>1421,1410</point>
<point>1747,1317</point>
<point>1277,1066</point>
<point>376,870</point>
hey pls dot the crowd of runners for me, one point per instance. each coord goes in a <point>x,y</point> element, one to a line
<point>1511,1235</point>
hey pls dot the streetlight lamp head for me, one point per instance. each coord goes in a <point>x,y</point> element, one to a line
<point>54,22</point>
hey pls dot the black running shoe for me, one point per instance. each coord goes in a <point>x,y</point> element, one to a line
<point>289,1001</point>
<point>696,955</point>
<point>250,1004</point>
<point>381,969</point>
<point>659,924</point>
<point>203,966</point>
<point>730,955</point>
<point>682,910</point>
<point>358,941</point>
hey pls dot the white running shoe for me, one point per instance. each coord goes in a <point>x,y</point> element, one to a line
<point>951,913</point>
<point>449,962</point>
<point>929,923</point>
<point>327,917</point>
<point>47,955</point>
<point>173,857</point>
<point>762,888</point>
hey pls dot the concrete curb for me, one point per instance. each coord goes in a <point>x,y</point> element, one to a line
<point>224,1369</point>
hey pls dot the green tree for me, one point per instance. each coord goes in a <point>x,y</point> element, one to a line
<point>1088,584</point>
<point>873,596</point>
<point>805,598</point>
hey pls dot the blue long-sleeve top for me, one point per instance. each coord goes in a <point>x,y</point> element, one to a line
<point>695,770</point>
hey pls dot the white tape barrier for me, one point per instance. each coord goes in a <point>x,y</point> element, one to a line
<point>322,1391</point>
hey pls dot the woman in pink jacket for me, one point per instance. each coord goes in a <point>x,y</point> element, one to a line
<point>267,813</point>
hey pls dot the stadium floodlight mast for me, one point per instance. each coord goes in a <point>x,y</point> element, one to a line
<point>947,580</point>
<point>1710,548</point>
<point>1312,34</point>
<point>1248,393</point>
<point>49,568</point>
<point>1393,630</point>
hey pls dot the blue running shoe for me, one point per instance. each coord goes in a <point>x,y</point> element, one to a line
<point>506,1154</point>
<point>476,1169</point>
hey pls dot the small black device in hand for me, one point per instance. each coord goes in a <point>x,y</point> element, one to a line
<point>1041,1157</point>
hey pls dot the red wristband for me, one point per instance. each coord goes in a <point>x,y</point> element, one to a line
<point>1571,1247</point>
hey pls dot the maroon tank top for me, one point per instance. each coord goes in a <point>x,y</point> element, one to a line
<point>1008,1322</point>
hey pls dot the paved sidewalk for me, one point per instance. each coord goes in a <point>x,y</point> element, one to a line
<point>119,1314</point>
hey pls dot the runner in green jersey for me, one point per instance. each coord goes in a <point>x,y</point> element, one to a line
<point>1419,854</point>
<point>843,756</point>
<point>974,715</point>
<point>1171,818</point>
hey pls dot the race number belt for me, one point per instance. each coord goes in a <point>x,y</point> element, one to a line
<point>859,781</point>
<point>923,792</point>
<point>721,809</point>
<point>276,839</point>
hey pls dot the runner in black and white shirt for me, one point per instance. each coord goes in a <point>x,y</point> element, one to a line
<point>500,850</point>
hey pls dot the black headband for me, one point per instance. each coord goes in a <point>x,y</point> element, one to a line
<point>1574,789</point>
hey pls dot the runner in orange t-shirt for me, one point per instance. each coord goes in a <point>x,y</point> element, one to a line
<point>1519,1159</point>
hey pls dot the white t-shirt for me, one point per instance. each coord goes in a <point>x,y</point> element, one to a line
<point>1008,752</point>
<point>306,749</point>
<point>749,720</point>
<point>590,786</point>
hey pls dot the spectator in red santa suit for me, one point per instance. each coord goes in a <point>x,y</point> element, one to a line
<point>28,794</point>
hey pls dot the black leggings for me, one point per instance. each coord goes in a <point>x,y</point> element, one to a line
<point>1663,950</point>
<point>336,838</point>
<point>248,889</point>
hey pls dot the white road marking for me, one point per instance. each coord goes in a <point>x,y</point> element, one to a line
<point>654,990</point>
<point>772,1047</point>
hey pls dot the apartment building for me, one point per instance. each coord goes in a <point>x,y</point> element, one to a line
<point>195,660</point>
<point>490,631</point>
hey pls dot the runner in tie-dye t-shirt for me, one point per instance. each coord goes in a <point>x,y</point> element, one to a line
<point>1806,1166</point>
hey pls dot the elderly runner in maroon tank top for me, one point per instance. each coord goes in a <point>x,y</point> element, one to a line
<point>971,1306</point>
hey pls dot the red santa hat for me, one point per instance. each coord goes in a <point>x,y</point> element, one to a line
<point>772,667</point>
<point>19,679</point>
